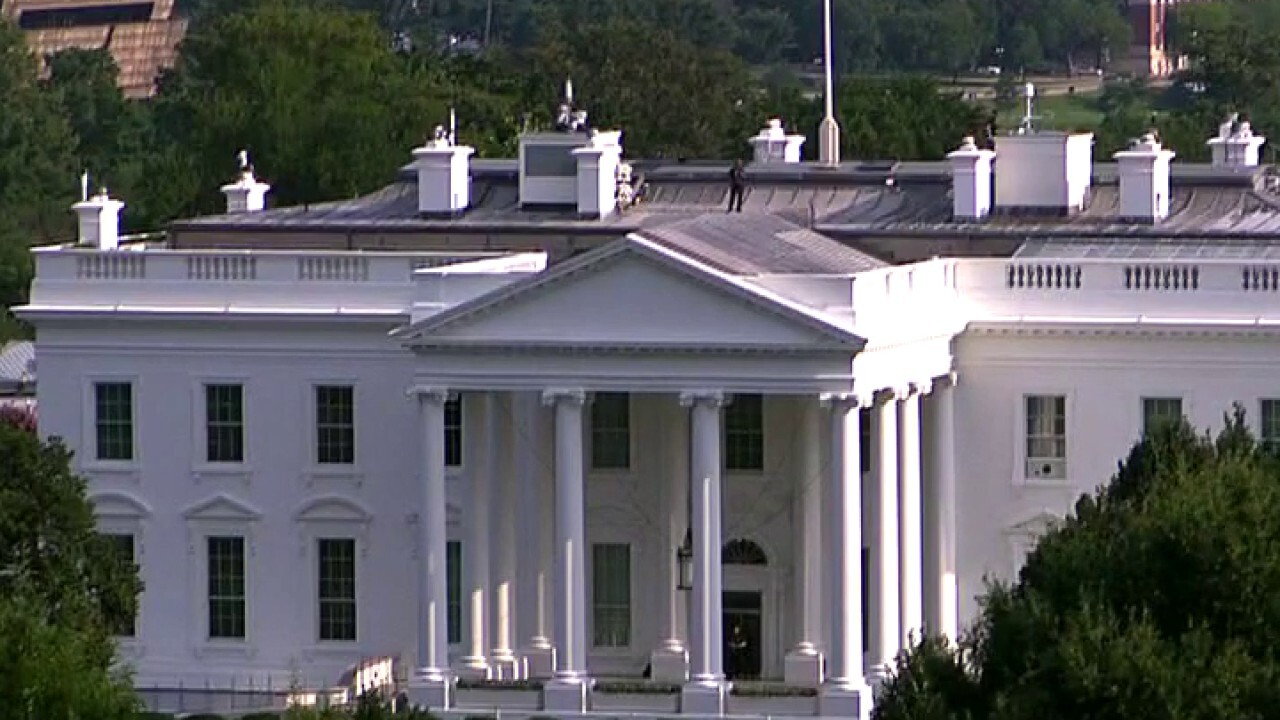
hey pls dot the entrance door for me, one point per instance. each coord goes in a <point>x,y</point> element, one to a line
<point>742,635</point>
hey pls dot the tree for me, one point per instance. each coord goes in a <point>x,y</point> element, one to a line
<point>1155,599</point>
<point>62,587</point>
<point>316,94</point>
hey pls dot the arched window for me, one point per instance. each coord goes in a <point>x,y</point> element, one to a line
<point>743,552</point>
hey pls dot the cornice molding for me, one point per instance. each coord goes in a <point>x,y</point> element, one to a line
<point>1151,331</point>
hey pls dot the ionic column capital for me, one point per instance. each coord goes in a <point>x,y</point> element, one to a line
<point>555,396</point>
<point>839,401</point>
<point>428,393</point>
<point>710,398</point>
<point>920,388</point>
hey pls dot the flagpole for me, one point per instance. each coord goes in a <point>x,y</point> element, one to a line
<point>828,129</point>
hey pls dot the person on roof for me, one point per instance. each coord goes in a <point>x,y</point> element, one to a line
<point>737,186</point>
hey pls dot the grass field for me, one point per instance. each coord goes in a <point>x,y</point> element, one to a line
<point>1059,112</point>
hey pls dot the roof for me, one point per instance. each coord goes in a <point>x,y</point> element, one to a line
<point>856,199</point>
<point>759,244</point>
<point>1170,248</point>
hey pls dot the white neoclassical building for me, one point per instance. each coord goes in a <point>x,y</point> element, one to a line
<point>532,428</point>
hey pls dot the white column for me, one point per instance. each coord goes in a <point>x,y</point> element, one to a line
<point>944,510</point>
<point>533,458</point>
<point>845,693</point>
<point>803,665</point>
<point>430,684</point>
<point>705,692</point>
<point>479,454</point>
<point>502,660</point>
<point>567,691</point>
<point>670,660</point>
<point>911,529</point>
<point>887,635</point>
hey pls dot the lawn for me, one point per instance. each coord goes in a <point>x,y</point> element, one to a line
<point>1077,111</point>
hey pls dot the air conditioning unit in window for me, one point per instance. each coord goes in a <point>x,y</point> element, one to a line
<point>1046,468</point>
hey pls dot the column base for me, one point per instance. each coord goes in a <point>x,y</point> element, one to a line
<point>704,697</point>
<point>803,666</point>
<point>430,690</point>
<point>472,667</point>
<point>845,700</point>
<point>877,676</point>
<point>539,661</point>
<point>504,665</point>
<point>670,664</point>
<point>566,694</point>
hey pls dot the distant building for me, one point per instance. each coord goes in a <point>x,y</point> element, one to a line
<point>142,36</point>
<point>1148,50</point>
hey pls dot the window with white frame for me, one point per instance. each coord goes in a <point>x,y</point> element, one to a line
<point>1269,422</point>
<point>113,420</point>
<point>453,432</point>
<point>227,599</point>
<point>453,601</point>
<point>1046,437</point>
<point>611,595</point>
<point>611,431</point>
<point>122,548</point>
<point>337,588</point>
<point>224,423</point>
<point>1157,411</point>
<point>335,424</point>
<point>744,433</point>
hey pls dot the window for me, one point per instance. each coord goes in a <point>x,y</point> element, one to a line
<point>744,433</point>
<point>1269,423</point>
<point>1046,437</point>
<point>113,418</point>
<point>453,602</point>
<point>611,431</point>
<point>1159,410</point>
<point>337,591</point>
<point>224,423</point>
<point>335,425</point>
<point>122,547</point>
<point>864,439</point>
<point>611,595</point>
<point>453,432</point>
<point>226,587</point>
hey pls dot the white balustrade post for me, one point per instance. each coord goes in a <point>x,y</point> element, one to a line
<point>887,636</point>
<point>845,692</point>
<point>911,528</point>
<point>944,510</point>
<point>803,665</point>
<point>567,691</point>
<point>704,694</point>
<point>431,684</point>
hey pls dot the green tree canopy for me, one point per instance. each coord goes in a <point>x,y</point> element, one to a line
<point>62,588</point>
<point>1155,599</point>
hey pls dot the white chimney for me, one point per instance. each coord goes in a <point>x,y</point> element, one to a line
<point>971,180</point>
<point>774,145</point>
<point>598,174</point>
<point>1235,145</point>
<point>99,218</point>
<point>1043,172</point>
<point>246,194</point>
<point>1144,180</point>
<point>444,176</point>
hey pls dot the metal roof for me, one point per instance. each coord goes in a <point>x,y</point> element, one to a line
<point>1167,248</point>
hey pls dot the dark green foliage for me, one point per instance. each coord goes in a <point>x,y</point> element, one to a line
<point>1155,599</point>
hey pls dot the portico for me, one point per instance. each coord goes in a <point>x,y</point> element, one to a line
<point>694,350</point>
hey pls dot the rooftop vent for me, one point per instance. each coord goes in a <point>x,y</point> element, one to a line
<point>1235,145</point>
<point>1039,171</point>
<point>773,145</point>
<point>246,194</point>
<point>98,216</point>
<point>575,165</point>
<point>444,173</point>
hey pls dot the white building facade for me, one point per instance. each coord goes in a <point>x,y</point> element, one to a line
<point>491,465</point>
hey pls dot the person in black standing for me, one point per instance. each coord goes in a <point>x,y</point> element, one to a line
<point>737,186</point>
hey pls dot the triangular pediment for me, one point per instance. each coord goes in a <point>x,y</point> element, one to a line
<point>1036,525</point>
<point>632,295</point>
<point>221,507</point>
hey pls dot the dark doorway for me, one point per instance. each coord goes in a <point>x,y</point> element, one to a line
<point>742,639</point>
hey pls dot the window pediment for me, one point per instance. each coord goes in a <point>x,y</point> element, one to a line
<point>332,508</point>
<point>222,507</point>
<point>1036,525</point>
<point>119,505</point>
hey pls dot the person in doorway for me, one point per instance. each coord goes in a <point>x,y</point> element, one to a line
<point>739,647</point>
<point>737,186</point>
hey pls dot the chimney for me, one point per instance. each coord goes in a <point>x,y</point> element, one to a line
<point>246,195</point>
<point>1043,172</point>
<point>99,218</point>
<point>598,174</point>
<point>1144,180</point>
<point>1235,145</point>
<point>971,180</point>
<point>774,145</point>
<point>444,176</point>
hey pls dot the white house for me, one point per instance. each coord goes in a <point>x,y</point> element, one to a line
<point>478,420</point>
